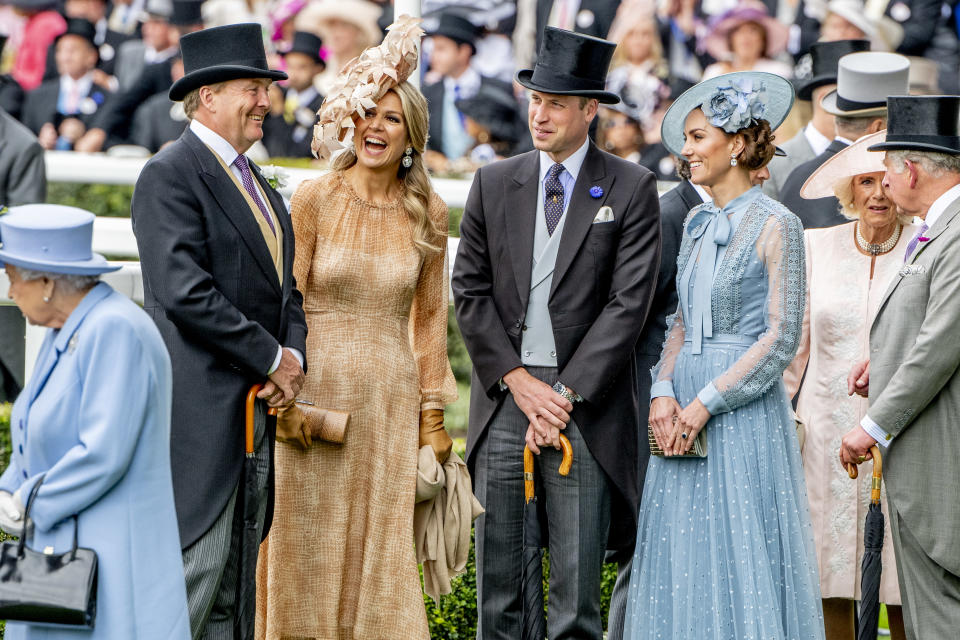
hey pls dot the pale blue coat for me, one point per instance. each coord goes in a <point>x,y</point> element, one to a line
<point>95,419</point>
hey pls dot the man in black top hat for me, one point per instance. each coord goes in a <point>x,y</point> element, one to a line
<point>556,268</point>
<point>216,250</point>
<point>288,130</point>
<point>106,40</point>
<point>454,44</point>
<point>816,135</point>
<point>913,375</point>
<point>60,110</point>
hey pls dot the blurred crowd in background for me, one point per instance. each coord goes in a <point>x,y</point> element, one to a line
<point>93,75</point>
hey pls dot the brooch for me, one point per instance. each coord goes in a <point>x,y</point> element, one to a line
<point>596,192</point>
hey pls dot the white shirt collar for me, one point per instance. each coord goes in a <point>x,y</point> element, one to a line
<point>469,83</point>
<point>845,141</point>
<point>940,205</point>
<point>215,141</point>
<point>83,84</point>
<point>572,164</point>
<point>818,142</point>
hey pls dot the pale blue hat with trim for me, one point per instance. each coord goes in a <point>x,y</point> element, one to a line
<point>731,102</point>
<point>52,238</point>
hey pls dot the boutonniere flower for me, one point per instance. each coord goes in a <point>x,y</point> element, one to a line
<point>923,239</point>
<point>276,176</point>
<point>3,209</point>
<point>596,191</point>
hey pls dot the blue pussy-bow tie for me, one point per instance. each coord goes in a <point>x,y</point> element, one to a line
<point>713,226</point>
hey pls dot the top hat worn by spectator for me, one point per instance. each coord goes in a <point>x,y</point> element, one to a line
<point>826,59</point>
<point>186,13</point>
<point>308,44</point>
<point>158,10</point>
<point>82,28</point>
<point>922,123</point>
<point>458,28</point>
<point>717,42</point>
<point>495,110</point>
<point>571,64</point>
<point>223,53</point>
<point>864,80</point>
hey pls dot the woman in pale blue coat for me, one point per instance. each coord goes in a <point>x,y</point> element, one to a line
<point>94,423</point>
<point>724,543</point>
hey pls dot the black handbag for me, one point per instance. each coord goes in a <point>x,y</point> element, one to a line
<point>45,589</point>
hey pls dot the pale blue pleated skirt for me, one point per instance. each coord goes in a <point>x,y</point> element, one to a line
<point>724,545</point>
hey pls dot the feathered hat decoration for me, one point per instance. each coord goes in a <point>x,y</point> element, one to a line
<point>361,84</point>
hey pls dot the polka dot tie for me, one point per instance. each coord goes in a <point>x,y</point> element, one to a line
<point>553,198</point>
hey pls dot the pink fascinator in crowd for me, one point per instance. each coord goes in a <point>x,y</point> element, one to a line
<point>281,13</point>
<point>361,84</point>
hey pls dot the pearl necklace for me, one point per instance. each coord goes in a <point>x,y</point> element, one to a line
<point>877,249</point>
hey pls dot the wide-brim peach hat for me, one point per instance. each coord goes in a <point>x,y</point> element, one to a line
<point>852,161</point>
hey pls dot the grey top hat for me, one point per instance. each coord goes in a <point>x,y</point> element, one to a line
<point>52,238</point>
<point>864,80</point>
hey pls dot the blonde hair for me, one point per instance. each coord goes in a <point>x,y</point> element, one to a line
<point>625,22</point>
<point>843,190</point>
<point>417,186</point>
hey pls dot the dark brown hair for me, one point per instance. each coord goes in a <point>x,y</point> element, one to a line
<point>759,145</point>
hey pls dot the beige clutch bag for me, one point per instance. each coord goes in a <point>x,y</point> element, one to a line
<point>698,450</point>
<point>303,423</point>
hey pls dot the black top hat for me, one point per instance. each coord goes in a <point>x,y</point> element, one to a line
<point>81,28</point>
<point>826,58</point>
<point>458,28</point>
<point>186,12</point>
<point>571,64</point>
<point>922,123</point>
<point>306,43</point>
<point>494,108</point>
<point>222,53</point>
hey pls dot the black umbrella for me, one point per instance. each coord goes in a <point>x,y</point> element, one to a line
<point>534,624</point>
<point>871,566</point>
<point>246,602</point>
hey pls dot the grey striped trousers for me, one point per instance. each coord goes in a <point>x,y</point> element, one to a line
<point>211,564</point>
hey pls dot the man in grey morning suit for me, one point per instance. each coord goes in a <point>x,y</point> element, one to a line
<point>913,375</point>
<point>216,248</point>
<point>557,264</point>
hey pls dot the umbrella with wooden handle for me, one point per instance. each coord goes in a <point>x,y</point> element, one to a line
<point>534,625</point>
<point>871,567</point>
<point>246,602</point>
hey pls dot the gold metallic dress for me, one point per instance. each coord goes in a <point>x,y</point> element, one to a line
<point>339,562</point>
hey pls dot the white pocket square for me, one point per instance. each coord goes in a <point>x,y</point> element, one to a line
<point>912,270</point>
<point>604,215</point>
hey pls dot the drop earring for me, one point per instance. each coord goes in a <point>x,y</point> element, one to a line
<point>407,161</point>
<point>733,160</point>
<point>46,298</point>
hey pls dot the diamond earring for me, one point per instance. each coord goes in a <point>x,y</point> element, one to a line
<point>407,161</point>
<point>733,160</point>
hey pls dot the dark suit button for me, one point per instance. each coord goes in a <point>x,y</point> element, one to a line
<point>524,327</point>
<point>517,324</point>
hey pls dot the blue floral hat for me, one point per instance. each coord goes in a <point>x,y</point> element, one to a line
<point>731,102</point>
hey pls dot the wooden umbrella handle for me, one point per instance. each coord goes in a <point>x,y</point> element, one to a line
<point>565,465</point>
<point>877,473</point>
<point>248,422</point>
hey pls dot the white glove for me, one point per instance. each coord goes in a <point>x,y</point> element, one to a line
<point>11,513</point>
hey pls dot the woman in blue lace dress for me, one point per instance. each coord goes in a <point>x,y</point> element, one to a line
<point>724,546</point>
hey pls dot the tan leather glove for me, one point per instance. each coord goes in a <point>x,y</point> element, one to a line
<point>433,434</point>
<point>291,428</point>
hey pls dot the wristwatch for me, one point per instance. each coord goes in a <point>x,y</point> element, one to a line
<point>562,389</point>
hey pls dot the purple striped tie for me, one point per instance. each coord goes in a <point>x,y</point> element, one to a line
<point>247,179</point>
<point>912,245</point>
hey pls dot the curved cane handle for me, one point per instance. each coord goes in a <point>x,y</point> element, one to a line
<point>877,472</point>
<point>567,461</point>
<point>248,421</point>
<point>565,464</point>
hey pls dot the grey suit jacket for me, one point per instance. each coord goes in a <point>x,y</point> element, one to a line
<point>798,151</point>
<point>915,390</point>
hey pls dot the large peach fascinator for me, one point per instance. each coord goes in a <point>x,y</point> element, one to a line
<point>361,84</point>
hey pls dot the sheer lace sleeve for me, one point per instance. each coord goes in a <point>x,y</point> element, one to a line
<point>428,323</point>
<point>780,247</point>
<point>793,376</point>
<point>662,373</point>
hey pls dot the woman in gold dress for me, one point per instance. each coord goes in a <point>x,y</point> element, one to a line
<point>371,262</point>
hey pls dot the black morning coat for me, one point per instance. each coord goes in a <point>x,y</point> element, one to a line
<point>212,289</point>
<point>603,284</point>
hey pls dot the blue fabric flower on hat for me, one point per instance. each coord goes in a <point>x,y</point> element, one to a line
<point>596,192</point>
<point>735,106</point>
